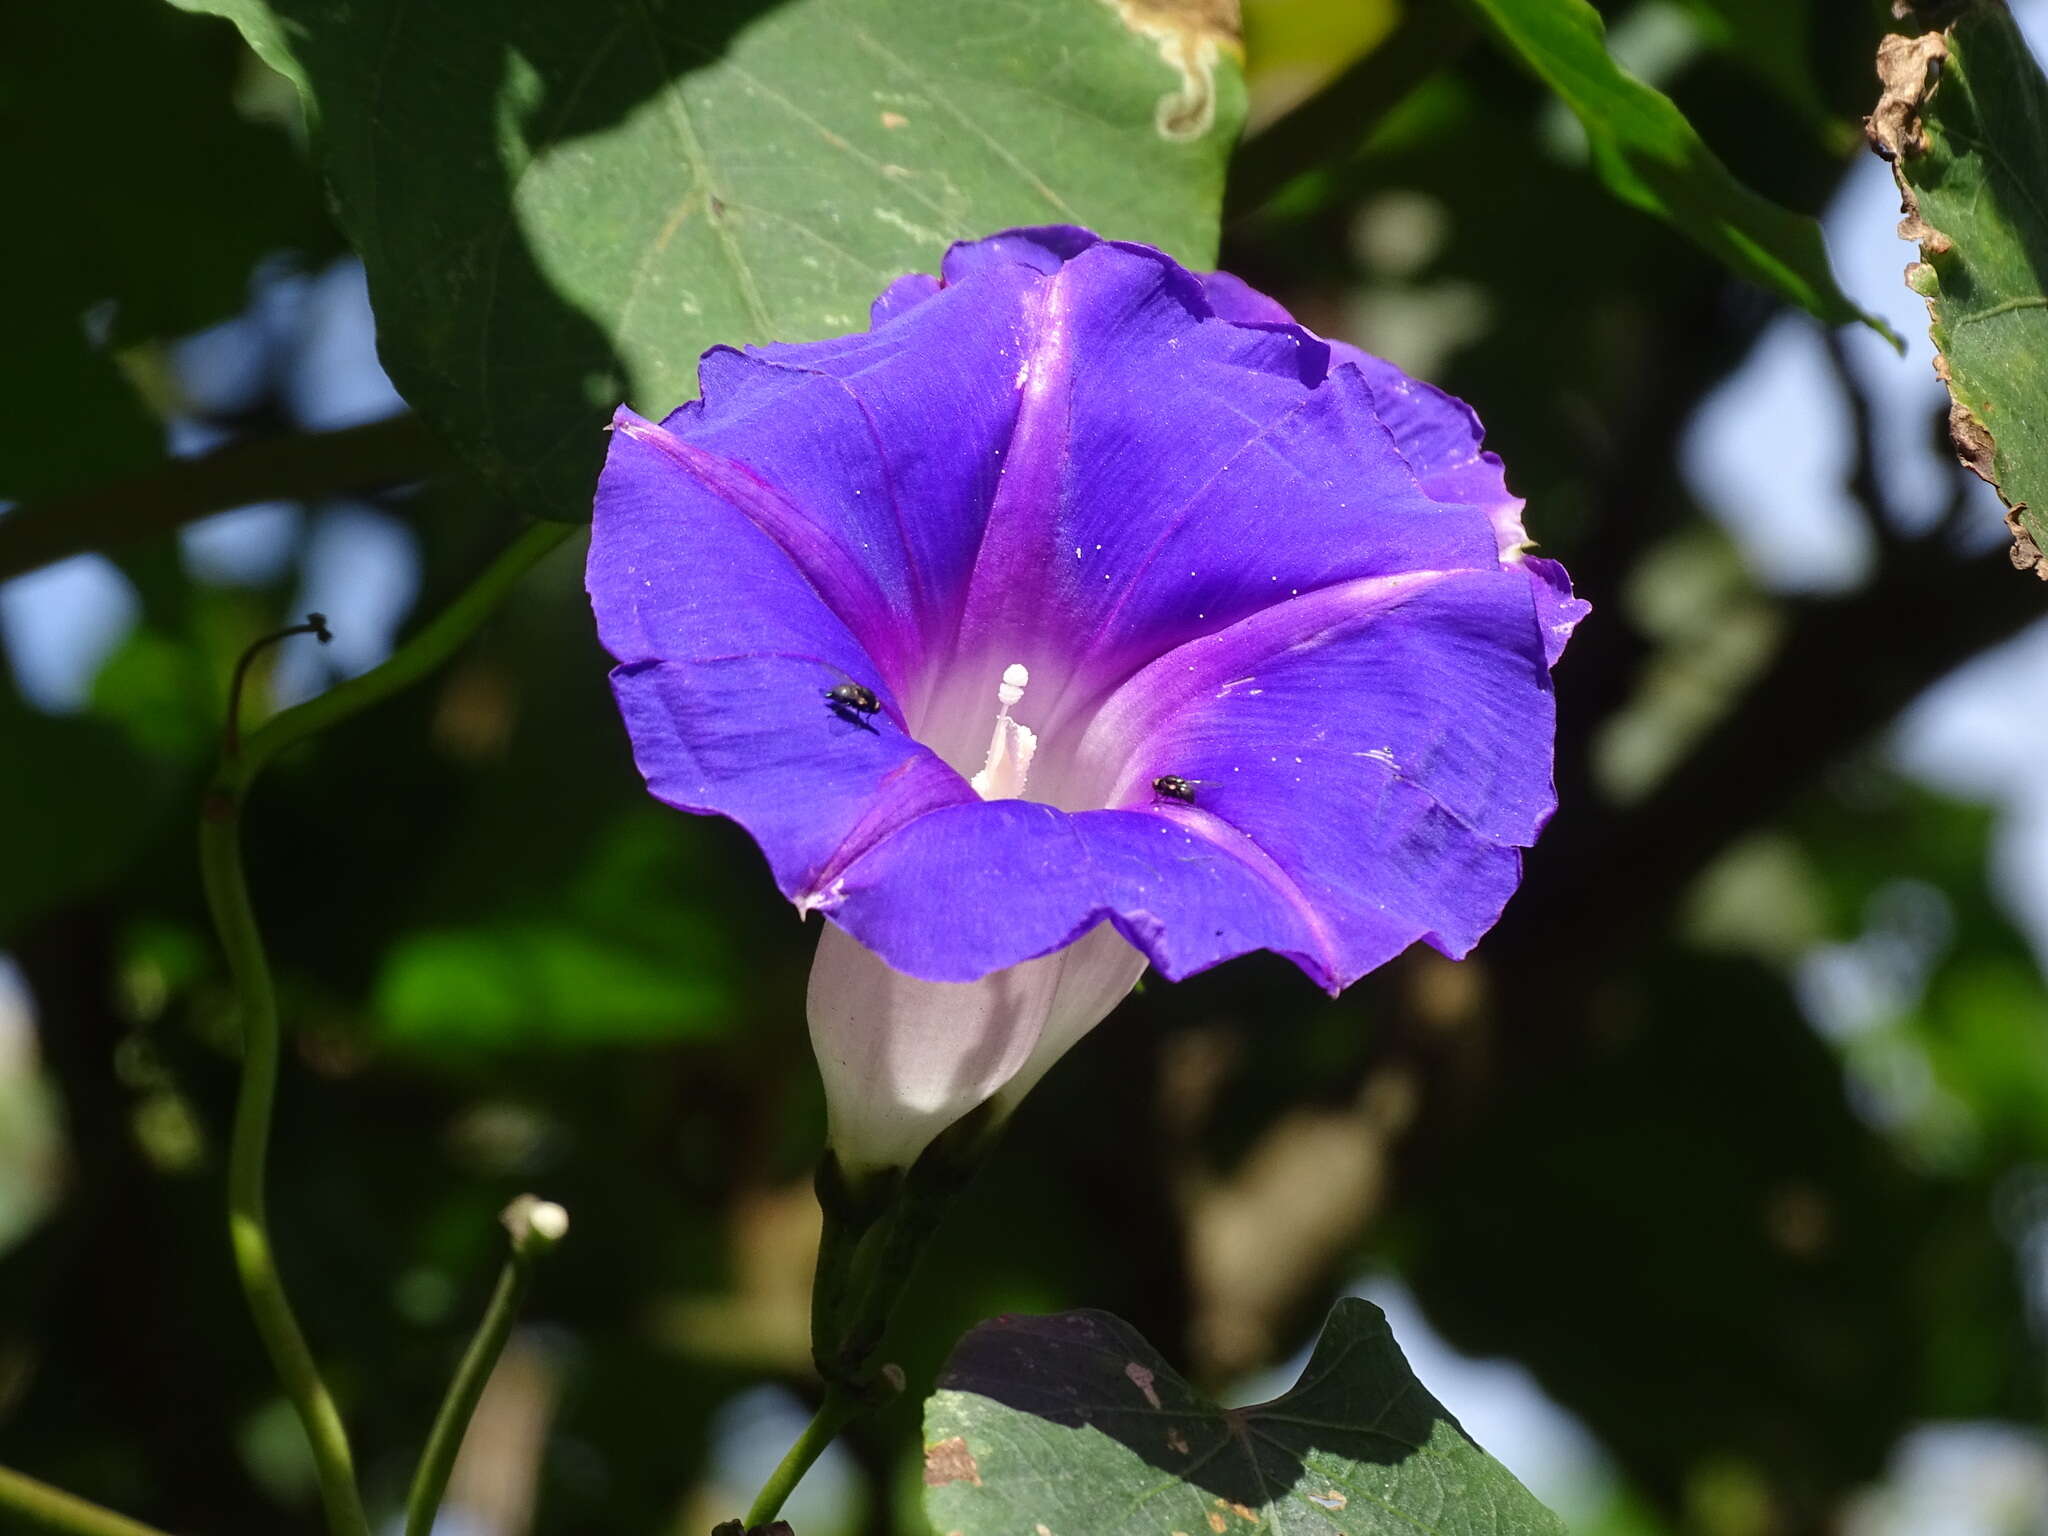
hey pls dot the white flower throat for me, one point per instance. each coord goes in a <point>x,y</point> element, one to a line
<point>1010,749</point>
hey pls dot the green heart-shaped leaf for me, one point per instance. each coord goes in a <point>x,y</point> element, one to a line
<point>1073,1425</point>
<point>562,205</point>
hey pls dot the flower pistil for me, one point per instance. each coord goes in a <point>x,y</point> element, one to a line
<point>1011,748</point>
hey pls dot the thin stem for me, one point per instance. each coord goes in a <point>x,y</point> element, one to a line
<point>464,1392</point>
<point>159,499</point>
<point>231,732</point>
<point>227,898</point>
<point>52,1509</point>
<point>839,1405</point>
<point>1336,120</point>
<point>234,919</point>
<point>536,1226</point>
<point>421,654</point>
<point>865,1260</point>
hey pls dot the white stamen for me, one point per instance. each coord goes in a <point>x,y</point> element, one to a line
<point>1010,749</point>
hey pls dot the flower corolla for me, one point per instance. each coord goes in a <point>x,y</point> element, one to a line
<point>1082,613</point>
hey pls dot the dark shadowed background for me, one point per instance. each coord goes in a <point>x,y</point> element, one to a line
<point>1712,1193</point>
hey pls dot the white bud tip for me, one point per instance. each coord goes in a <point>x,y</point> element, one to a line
<point>536,1225</point>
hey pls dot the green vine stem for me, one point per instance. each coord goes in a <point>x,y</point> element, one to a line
<point>234,918</point>
<point>839,1406</point>
<point>420,655</point>
<point>51,1509</point>
<point>227,898</point>
<point>536,1226</point>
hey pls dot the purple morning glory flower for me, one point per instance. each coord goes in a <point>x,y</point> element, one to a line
<point>1079,598</point>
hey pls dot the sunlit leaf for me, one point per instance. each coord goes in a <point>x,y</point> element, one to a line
<point>563,208</point>
<point>1074,1423</point>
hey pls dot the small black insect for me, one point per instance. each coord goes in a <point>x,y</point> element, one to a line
<point>1171,786</point>
<point>853,702</point>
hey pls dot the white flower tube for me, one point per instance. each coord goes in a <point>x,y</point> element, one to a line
<point>904,1059</point>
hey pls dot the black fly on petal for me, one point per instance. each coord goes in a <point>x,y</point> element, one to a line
<point>855,703</point>
<point>1171,786</point>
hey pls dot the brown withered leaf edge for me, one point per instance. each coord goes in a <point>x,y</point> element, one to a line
<point>1909,71</point>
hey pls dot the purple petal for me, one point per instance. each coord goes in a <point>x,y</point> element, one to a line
<point>907,292</point>
<point>1436,678</point>
<point>1170,473</point>
<point>753,737</point>
<point>1345,742</point>
<point>1318,498</point>
<point>891,442</point>
<point>1044,248</point>
<point>1016,880</point>
<point>1439,434</point>
<point>1235,299</point>
<point>728,651</point>
<point>1557,611</point>
<point>690,553</point>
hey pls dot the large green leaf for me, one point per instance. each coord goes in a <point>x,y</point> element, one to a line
<point>562,205</point>
<point>1073,1424</point>
<point>1649,155</point>
<point>1964,121</point>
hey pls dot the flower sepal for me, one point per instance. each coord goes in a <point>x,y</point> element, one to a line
<point>877,1223</point>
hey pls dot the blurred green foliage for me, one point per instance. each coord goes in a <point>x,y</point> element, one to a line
<point>1746,1253</point>
<point>131,155</point>
<point>1651,157</point>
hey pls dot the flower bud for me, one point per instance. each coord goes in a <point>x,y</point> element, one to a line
<point>536,1225</point>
